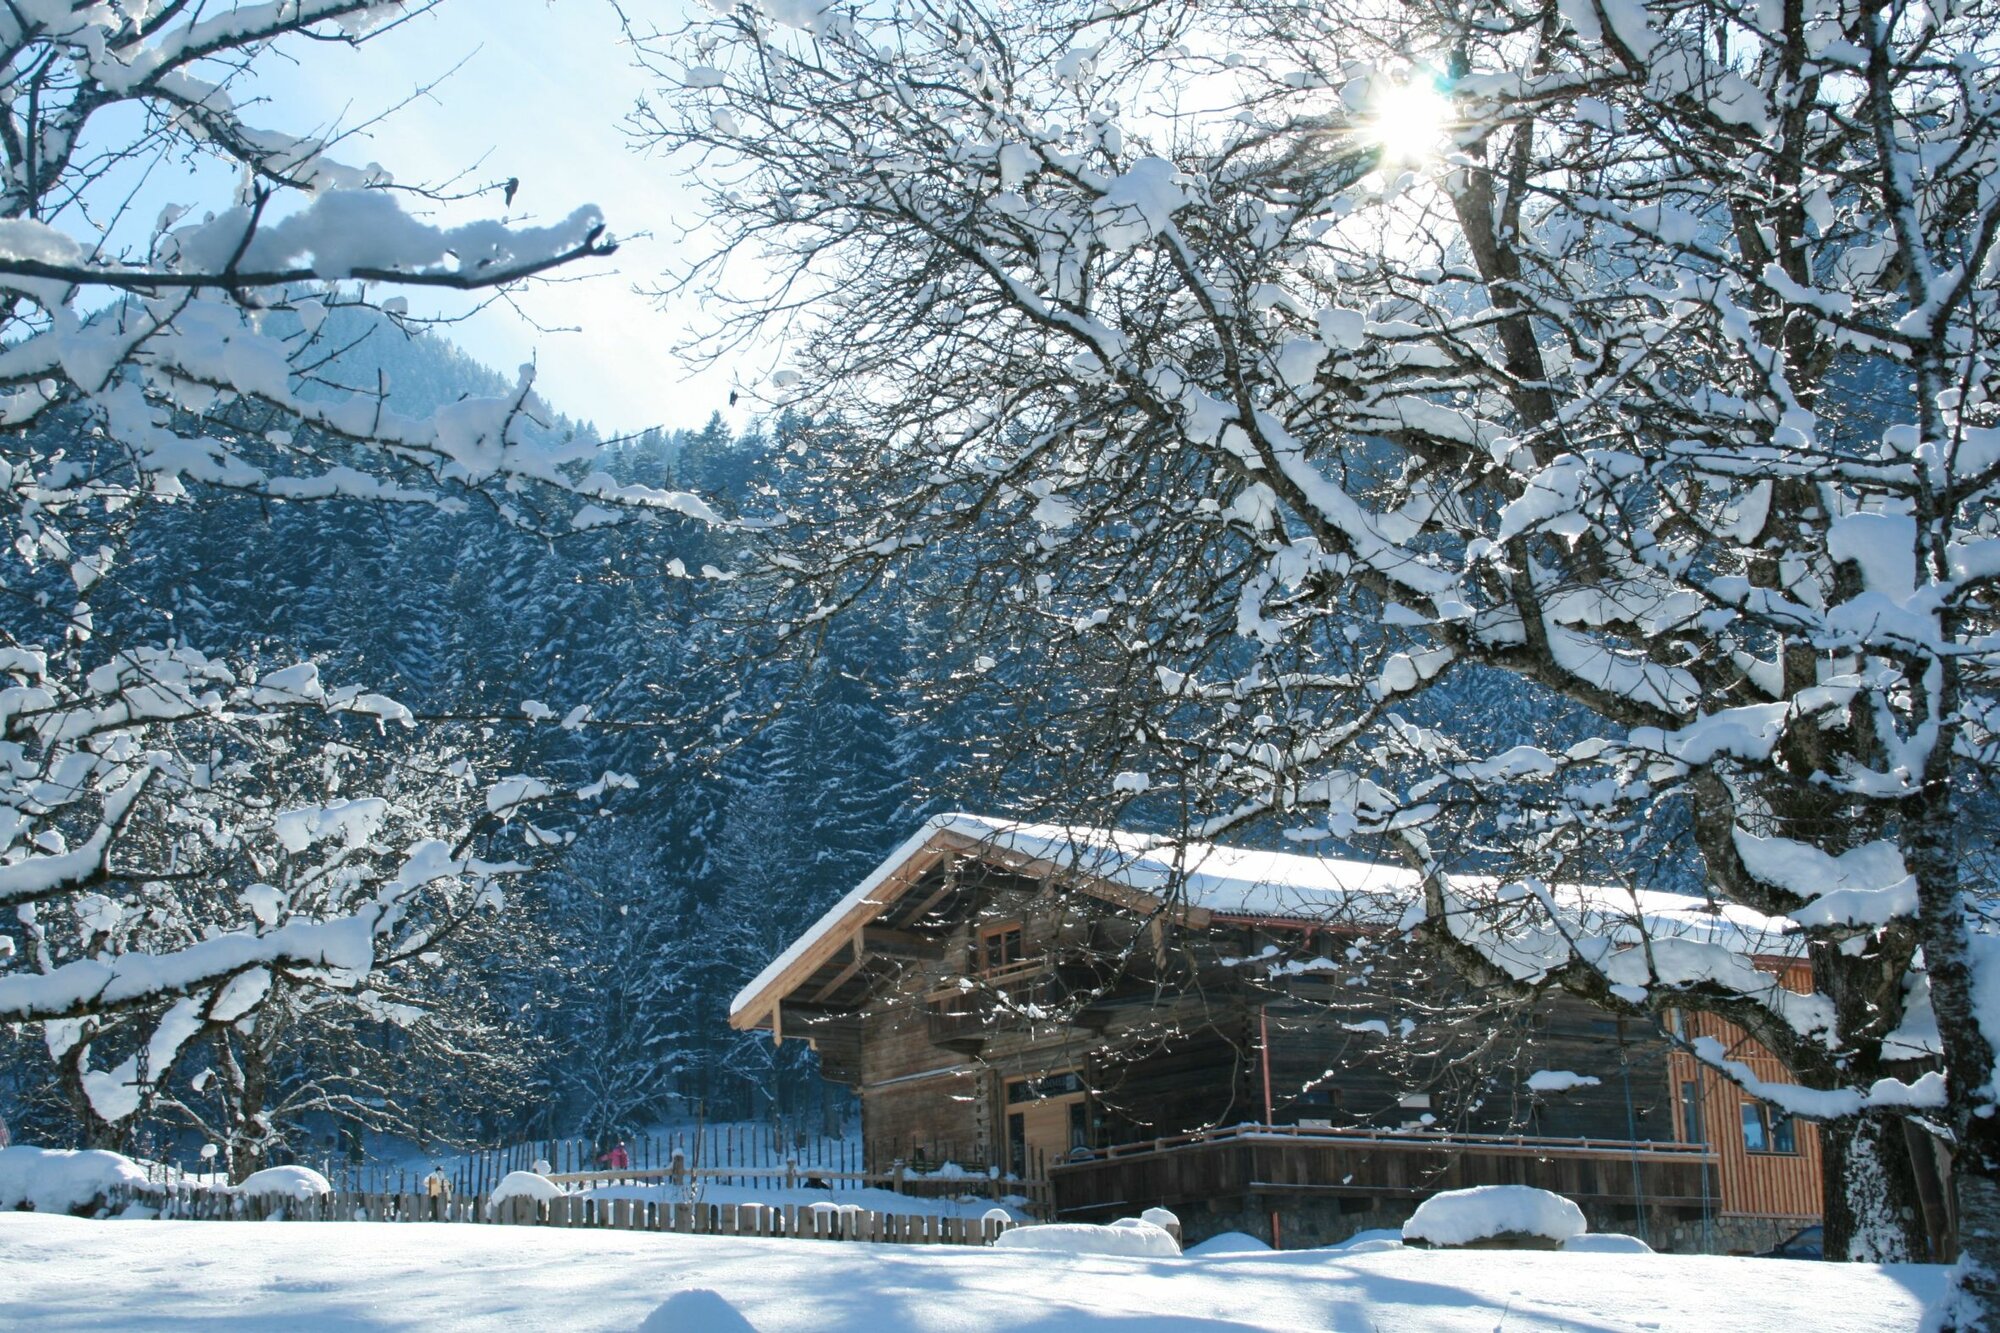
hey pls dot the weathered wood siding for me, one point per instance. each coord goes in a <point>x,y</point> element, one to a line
<point>1174,1030</point>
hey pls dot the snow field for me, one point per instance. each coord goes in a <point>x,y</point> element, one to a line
<point>60,1273</point>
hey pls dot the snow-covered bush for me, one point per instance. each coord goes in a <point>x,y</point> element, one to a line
<point>1127,1236</point>
<point>1608,1242</point>
<point>1487,1212</point>
<point>284,1182</point>
<point>61,1180</point>
<point>522,1185</point>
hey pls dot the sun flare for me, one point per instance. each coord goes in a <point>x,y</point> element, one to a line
<point>1409,120</point>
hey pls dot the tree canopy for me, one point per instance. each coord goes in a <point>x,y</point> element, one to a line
<point>1293,375</point>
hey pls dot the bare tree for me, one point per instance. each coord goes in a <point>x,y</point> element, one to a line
<point>1538,439</point>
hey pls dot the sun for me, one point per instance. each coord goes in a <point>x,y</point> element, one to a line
<point>1409,120</point>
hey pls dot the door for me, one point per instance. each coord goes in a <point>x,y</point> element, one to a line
<point>1047,1118</point>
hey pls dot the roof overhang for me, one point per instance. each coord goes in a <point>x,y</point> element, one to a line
<point>846,928</point>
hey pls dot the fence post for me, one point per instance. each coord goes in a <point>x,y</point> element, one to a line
<point>896,1177</point>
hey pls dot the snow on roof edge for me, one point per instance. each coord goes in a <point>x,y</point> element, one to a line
<point>1235,881</point>
<point>839,912</point>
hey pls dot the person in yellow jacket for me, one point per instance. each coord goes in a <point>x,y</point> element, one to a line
<point>437,1192</point>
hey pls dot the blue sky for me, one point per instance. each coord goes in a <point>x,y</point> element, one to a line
<point>540,96</point>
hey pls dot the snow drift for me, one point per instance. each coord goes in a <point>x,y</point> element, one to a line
<point>62,1180</point>
<point>1127,1236</point>
<point>1461,1217</point>
<point>285,1182</point>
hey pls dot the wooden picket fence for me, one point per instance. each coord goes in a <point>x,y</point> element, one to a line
<point>791,1221</point>
<point>757,1155</point>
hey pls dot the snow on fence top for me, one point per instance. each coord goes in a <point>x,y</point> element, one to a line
<point>1265,885</point>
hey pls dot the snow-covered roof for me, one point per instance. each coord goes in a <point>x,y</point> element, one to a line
<point>1212,880</point>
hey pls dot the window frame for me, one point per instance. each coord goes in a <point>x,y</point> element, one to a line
<point>1000,931</point>
<point>1693,1126</point>
<point>1777,1133</point>
<point>1756,1133</point>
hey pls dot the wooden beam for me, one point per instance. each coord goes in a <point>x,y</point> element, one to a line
<point>757,1012</point>
<point>900,943</point>
<point>1120,895</point>
<point>950,886</point>
<point>842,977</point>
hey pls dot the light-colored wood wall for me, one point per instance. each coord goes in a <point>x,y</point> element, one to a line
<point>1762,1184</point>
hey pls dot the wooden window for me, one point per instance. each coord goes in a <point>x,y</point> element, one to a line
<point>1691,1127</point>
<point>1767,1132</point>
<point>1041,1089</point>
<point>1754,1137</point>
<point>1000,946</point>
<point>1316,1108</point>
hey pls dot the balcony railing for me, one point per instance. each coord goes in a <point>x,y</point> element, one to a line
<point>1019,995</point>
<point>1363,1163</point>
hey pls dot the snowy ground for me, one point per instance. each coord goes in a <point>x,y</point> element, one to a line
<point>63,1273</point>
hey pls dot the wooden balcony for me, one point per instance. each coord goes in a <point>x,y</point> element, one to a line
<point>1357,1163</point>
<point>1020,995</point>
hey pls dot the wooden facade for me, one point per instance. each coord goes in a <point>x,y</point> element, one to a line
<point>1767,1164</point>
<point>1015,1014</point>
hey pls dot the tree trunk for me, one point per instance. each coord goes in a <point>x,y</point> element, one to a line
<point>1869,1195</point>
<point>1931,851</point>
<point>1975,1184</point>
<point>92,1129</point>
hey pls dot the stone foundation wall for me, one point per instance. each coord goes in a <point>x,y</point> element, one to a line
<point>1310,1223</point>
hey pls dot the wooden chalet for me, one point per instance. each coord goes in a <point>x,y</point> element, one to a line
<point>1116,1021</point>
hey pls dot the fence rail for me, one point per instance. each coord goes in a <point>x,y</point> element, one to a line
<point>791,1221</point>
<point>899,1180</point>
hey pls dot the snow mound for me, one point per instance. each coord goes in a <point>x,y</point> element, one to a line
<point>1460,1217</point>
<point>1609,1242</point>
<point>1128,1235</point>
<point>522,1185</point>
<point>1368,1242</point>
<point>1229,1242</point>
<point>62,1180</point>
<point>1161,1218</point>
<point>285,1182</point>
<point>698,1307</point>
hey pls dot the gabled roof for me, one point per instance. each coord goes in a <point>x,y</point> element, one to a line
<point>1200,882</point>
